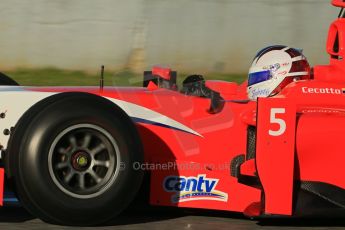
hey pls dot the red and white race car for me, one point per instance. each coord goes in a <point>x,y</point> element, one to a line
<point>78,155</point>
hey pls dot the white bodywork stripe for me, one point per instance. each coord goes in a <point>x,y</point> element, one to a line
<point>137,111</point>
<point>15,101</point>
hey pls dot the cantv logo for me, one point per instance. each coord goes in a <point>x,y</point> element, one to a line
<point>322,90</point>
<point>193,188</point>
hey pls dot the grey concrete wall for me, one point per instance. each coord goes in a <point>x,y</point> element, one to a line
<point>188,35</point>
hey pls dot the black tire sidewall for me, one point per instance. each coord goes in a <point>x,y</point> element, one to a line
<point>36,185</point>
<point>5,80</point>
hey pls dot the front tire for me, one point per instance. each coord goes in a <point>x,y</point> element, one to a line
<point>74,161</point>
<point>5,80</point>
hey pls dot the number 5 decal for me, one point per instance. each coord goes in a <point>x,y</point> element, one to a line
<point>278,121</point>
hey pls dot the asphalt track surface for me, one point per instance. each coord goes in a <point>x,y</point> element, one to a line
<point>18,218</point>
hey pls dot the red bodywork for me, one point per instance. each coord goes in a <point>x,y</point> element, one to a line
<point>298,139</point>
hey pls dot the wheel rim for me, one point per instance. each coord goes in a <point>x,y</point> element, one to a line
<point>83,161</point>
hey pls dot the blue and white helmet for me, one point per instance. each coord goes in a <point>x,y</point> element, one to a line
<point>274,68</point>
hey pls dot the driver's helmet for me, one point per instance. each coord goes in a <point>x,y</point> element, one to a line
<point>274,68</point>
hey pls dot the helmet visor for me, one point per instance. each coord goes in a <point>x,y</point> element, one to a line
<point>257,77</point>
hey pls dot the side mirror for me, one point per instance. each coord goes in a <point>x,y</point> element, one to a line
<point>336,39</point>
<point>149,76</point>
<point>338,3</point>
